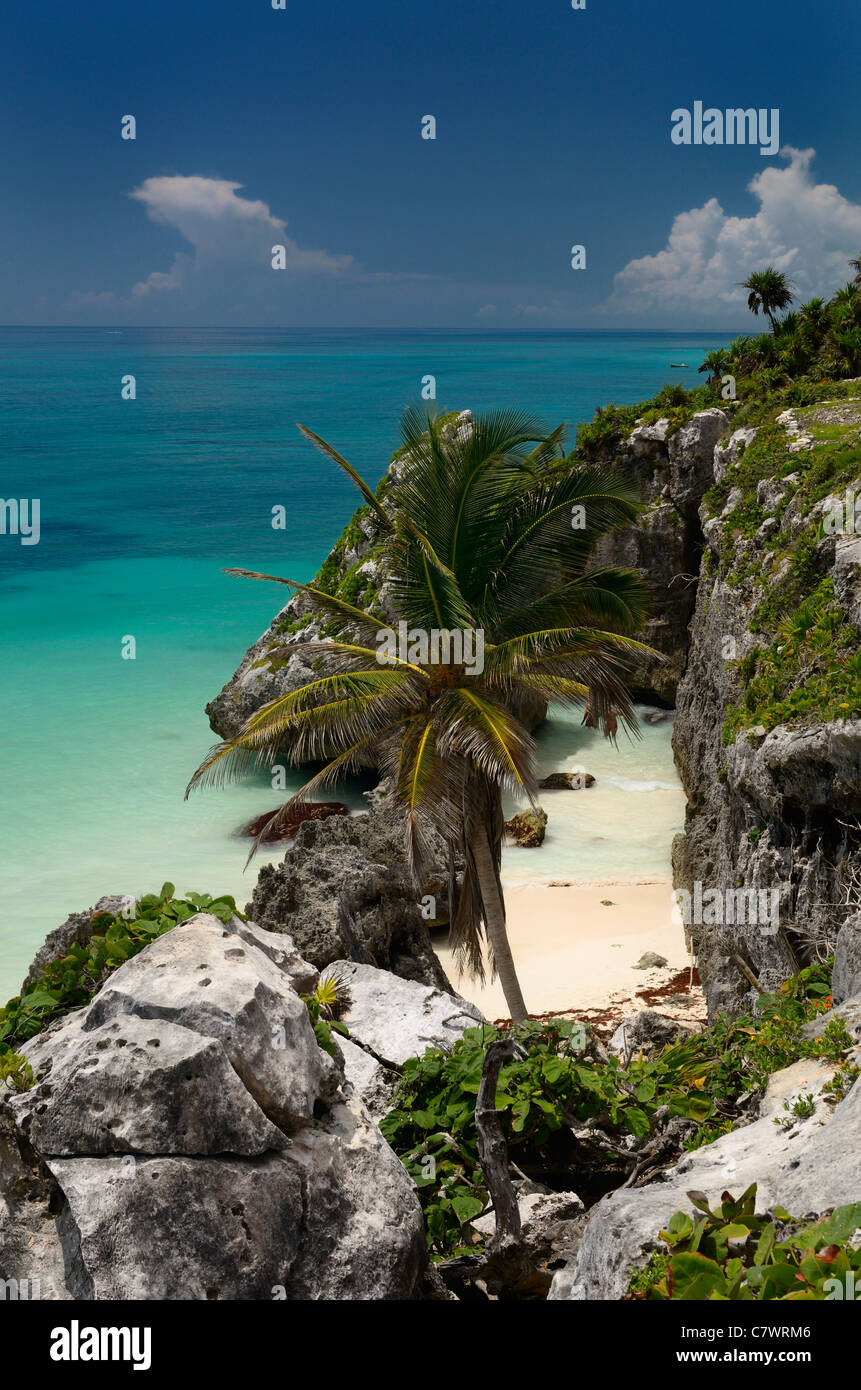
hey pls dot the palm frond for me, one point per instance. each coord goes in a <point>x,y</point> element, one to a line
<point>482,732</point>
<point>348,615</point>
<point>349,760</point>
<point>366,491</point>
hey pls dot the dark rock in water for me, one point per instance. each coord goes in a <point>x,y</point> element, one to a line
<point>566,781</point>
<point>318,810</point>
<point>527,829</point>
<point>343,892</point>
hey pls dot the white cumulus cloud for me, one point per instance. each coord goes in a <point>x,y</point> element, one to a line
<point>807,229</point>
<point>230,235</point>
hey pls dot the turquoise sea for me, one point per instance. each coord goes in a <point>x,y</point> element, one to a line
<point>144,501</point>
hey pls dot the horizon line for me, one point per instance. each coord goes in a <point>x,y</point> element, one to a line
<point>374,328</point>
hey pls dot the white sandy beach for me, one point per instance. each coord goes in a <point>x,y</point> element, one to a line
<point>574,952</point>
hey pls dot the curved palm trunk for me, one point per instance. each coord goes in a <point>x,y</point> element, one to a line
<point>494,920</point>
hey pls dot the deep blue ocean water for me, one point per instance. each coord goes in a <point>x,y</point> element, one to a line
<point>142,503</point>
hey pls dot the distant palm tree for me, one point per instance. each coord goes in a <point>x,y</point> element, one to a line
<point>477,537</point>
<point>813,317</point>
<point>847,306</point>
<point>715,363</point>
<point>846,347</point>
<point>855,263</point>
<point>770,291</point>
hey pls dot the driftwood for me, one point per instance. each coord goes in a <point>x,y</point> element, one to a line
<point>493,1150</point>
<point>504,1270</point>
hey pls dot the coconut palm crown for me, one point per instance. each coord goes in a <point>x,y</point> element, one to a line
<point>489,532</point>
<point>769,291</point>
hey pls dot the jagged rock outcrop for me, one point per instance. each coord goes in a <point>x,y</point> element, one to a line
<point>190,1108</point>
<point>389,1020</point>
<point>807,1165</point>
<point>673,471</point>
<point>846,977</point>
<point>343,891</point>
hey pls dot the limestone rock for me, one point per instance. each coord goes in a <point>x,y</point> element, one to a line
<point>31,1251</point>
<point>366,1079</point>
<point>363,1232</point>
<point>551,1225</point>
<point>846,979</point>
<point>334,1218</point>
<point>691,456</point>
<point>726,455</point>
<point>648,1030</point>
<point>187,1138</point>
<point>137,1086</point>
<point>201,977</point>
<point>397,1018</point>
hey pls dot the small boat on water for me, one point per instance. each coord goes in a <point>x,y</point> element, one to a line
<point>678,364</point>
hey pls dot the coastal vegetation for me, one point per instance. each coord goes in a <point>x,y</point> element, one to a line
<point>576,1117</point>
<point>476,537</point>
<point>70,981</point>
<point>734,1253</point>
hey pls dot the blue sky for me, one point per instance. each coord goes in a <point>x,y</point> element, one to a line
<point>302,127</point>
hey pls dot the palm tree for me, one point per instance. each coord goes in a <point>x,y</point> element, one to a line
<point>846,350</point>
<point>477,537</point>
<point>855,263</point>
<point>847,306</point>
<point>770,291</point>
<point>814,318</point>
<point>716,363</point>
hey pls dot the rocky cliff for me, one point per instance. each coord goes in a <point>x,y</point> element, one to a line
<point>768,736</point>
<point>673,468</point>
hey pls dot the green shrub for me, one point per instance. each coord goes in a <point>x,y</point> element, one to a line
<point>71,981</point>
<point>15,1071</point>
<point>732,1253</point>
<point>564,1082</point>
